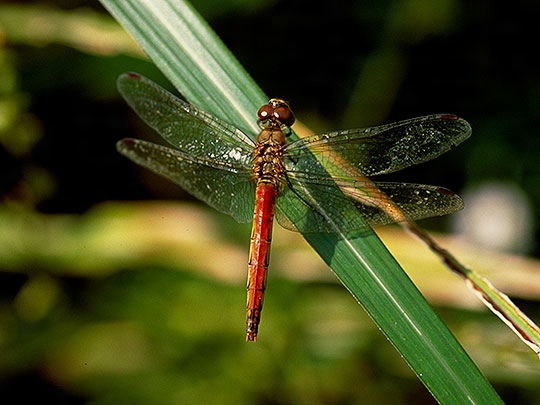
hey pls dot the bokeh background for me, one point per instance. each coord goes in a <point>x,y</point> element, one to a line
<point>118,287</point>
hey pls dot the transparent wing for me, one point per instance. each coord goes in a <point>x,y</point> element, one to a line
<point>379,150</point>
<point>212,160</point>
<point>416,201</point>
<point>227,188</point>
<point>189,129</point>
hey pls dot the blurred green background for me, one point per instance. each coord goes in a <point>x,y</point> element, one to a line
<point>118,287</point>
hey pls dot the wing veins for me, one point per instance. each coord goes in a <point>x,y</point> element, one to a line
<point>383,149</point>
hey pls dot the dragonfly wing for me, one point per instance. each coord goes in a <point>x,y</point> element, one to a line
<point>416,201</point>
<point>296,211</point>
<point>382,149</point>
<point>189,129</point>
<point>228,189</point>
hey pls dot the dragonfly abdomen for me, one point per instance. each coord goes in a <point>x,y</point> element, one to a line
<point>259,255</point>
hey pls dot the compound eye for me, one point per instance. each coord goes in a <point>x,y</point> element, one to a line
<point>284,115</point>
<point>265,112</point>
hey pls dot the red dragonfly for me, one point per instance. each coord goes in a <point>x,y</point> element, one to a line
<point>251,180</point>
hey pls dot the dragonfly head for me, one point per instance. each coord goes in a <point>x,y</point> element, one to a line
<point>276,113</point>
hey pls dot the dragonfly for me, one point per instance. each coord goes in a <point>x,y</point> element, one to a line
<point>255,180</point>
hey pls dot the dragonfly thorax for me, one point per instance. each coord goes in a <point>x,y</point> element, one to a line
<point>267,162</point>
